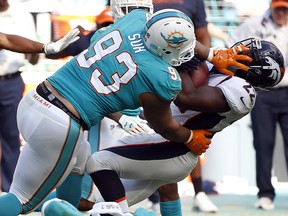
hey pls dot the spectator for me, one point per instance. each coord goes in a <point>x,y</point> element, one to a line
<point>12,21</point>
<point>20,44</point>
<point>271,106</point>
<point>196,11</point>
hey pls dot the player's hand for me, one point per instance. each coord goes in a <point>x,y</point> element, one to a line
<point>200,141</point>
<point>222,59</point>
<point>55,47</point>
<point>133,124</point>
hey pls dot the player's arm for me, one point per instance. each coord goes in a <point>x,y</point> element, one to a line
<point>20,44</point>
<point>223,58</point>
<point>158,114</point>
<point>74,48</point>
<point>204,98</point>
<point>203,35</point>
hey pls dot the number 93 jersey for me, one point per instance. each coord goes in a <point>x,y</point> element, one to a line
<point>114,71</point>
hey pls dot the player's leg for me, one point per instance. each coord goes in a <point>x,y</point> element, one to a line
<point>56,207</point>
<point>170,203</point>
<point>87,195</point>
<point>70,189</point>
<point>92,140</point>
<point>47,157</point>
<point>139,190</point>
<point>86,203</point>
<point>99,136</point>
<point>74,179</point>
<point>136,163</point>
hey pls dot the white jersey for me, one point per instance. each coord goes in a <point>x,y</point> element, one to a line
<point>147,161</point>
<point>240,96</point>
<point>262,27</point>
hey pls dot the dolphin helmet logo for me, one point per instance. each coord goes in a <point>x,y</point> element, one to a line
<point>175,39</point>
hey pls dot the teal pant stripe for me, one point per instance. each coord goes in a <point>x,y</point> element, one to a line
<point>87,186</point>
<point>59,169</point>
<point>93,138</point>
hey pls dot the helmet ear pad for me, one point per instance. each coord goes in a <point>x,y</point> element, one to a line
<point>267,67</point>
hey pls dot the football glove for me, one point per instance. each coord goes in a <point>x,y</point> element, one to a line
<point>201,140</point>
<point>222,59</point>
<point>133,124</point>
<point>61,44</point>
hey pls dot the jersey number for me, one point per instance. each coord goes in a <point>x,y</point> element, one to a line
<point>101,51</point>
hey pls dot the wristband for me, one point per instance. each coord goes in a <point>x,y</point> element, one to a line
<point>210,55</point>
<point>43,48</point>
<point>190,137</point>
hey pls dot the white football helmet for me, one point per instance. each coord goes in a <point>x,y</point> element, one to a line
<point>170,34</point>
<point>121,7</point>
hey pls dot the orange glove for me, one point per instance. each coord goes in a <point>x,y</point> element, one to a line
<point>222,59</point>
<point>201,140</point>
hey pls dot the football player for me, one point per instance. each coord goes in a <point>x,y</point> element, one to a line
<point>145,163</point>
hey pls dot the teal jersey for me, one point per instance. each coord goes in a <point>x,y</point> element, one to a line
<point>131,112</point>
<point>114,71</point>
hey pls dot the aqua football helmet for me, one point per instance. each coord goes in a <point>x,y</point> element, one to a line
<point>122,7</point>
<point>170,35</point>
<point>267,67</point>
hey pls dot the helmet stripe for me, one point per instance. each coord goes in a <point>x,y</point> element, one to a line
<point>166,15</point>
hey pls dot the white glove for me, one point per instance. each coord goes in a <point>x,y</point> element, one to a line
<point>134,124</point>
<point>57,46</point>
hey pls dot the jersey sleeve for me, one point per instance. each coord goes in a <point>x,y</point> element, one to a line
<point>239,94</point>
<point>131,112</point>
<point>169,85</point>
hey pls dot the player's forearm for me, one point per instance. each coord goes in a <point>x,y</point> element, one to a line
<point>20,44</point>
<point>201,51</point>
<point>115,116</point>
<point>204,99</point>
<point>174,132</point>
